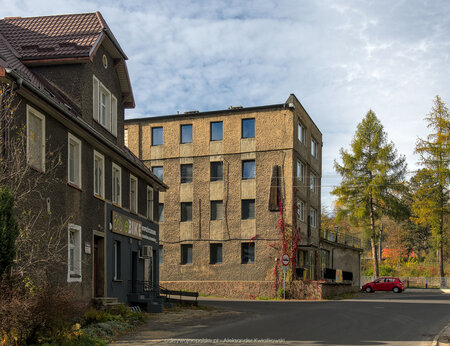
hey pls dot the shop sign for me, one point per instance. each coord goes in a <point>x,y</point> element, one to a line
<point>126,226</point>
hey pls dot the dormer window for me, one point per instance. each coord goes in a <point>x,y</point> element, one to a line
<point>104,106</point>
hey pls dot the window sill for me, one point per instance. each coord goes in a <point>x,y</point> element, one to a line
<point>75,276</point>
<point>100,198</point>
<point>98,122</point>
<point>215,264</point>
<point>116,205</point>
<point>117,280</point>
<point>248,263</point>
<point>74,186</point>
<point>186,264</point>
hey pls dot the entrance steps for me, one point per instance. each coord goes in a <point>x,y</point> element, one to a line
<point>106,303</point>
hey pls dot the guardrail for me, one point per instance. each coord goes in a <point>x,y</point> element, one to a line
<point>416,282</point>
<point>340,238</point>
<point>169,293</point>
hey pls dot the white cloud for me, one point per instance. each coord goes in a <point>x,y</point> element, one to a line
<point>340,59</point>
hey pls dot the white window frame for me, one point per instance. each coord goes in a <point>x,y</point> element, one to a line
<point>77,169</point>
<point>150,203</point>
<point>111,110</point>
<point>33,112</point>
<point>134,200</point>
<point>301,210</point>
<point>313,182</point>
<point>313,217</point>
<point>302,171</point>
<point>314,146</point>
<point>116,198</point>
<point>301,135</point>
<point>101,192</point>
<point>75,274</point>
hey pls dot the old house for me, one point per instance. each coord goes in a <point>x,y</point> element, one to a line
<point>71,79</point>
<point>219,217</point>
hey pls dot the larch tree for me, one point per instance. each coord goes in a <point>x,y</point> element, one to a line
<point>431,197</point>
<point>372,179</point>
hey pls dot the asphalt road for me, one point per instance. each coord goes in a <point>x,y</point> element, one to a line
<point>371,319</point>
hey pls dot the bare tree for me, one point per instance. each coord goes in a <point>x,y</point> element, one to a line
<point>41,245</point>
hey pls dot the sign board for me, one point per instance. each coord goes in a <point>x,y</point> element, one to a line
<point>87,247</point>
<point>339,275</point>
<point>126,226</point>
<point>285,260</point>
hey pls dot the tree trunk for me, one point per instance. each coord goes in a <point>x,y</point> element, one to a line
<point>372,241</point>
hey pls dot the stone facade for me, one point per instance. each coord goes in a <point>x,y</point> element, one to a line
<point>276,142</point>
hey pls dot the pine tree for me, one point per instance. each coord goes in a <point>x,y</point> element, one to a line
<point>431,198</point>
<point>372,179</point>
<point>8,229</point>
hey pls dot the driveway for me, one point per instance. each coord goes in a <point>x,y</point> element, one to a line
<point>409,318</point>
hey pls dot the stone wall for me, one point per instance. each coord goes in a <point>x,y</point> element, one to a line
<point>308,290</point>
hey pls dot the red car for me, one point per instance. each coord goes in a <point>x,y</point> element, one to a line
<point>384,284</point>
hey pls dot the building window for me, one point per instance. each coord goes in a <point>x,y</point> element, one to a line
<point>313,182</point>
<point>215,253</point>
<point>248,253</point>
<point>313,217</point>
<point>125,137</point>
<point>158,171</point>
<point>161,212</point>
<point>74,164</point>
<point>248,209</point>
<point>117,260</point>
<point>248,169</point>
<point>248,128</point>
<point>157,136</point>
<point>74,253</point>
<point>301,210</point>
<point>161,254</point>
<point>35,139</point>
<point>186,173</point>
<point>301,171</point>
<point>216,131</point>
<point>133,194</point>
<point>104,106</point>
<point>186,211</point>
<point>314,148</point>
<point>186,254</point>
<point>149,203</point>
<point>186,133</point>
<point>216,210</point>
<point>301,133</point>
<point>99,175</point>
<point>116,184</point>
<point>216,171</point>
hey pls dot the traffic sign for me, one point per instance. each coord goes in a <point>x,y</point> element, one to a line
<point>285,260</point>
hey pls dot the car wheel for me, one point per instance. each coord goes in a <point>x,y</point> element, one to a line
<point>396,290</point>
<point>369,289</point>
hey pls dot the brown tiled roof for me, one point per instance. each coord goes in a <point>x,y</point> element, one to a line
<point>72,35</point>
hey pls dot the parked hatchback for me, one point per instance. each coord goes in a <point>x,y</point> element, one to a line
<point>384,284</point>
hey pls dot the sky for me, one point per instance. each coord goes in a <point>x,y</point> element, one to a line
<point>340,58</point>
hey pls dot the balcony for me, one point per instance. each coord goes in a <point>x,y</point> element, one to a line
<point>338,237</point>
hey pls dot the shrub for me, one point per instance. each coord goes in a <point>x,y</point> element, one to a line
<point>41,314</point>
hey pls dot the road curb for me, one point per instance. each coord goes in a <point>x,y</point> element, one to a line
<point>445,330</point>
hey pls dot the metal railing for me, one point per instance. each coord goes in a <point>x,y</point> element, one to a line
<point>143,287</point>
<point>416,282</point>
<point>340,238</point>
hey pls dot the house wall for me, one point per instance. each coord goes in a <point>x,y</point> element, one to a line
<point>273,145</point>
<point>344,258</point>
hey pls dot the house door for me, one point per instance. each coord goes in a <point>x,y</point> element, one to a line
<point>95,270</point>
<point>98,267</point>
<point>134,260</point>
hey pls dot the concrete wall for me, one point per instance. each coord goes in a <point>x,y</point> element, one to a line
<point>344,258</point>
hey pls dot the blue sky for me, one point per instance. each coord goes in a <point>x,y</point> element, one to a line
<point>340,58</point>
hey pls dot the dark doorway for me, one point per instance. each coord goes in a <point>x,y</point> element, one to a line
<point>134,264</point>
<point>98,267</point>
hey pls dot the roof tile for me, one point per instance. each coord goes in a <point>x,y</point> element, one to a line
<point>53,36</point>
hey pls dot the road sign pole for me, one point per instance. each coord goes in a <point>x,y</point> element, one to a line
<point>284,285</point>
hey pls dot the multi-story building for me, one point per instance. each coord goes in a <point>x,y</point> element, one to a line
<point>225,170</point>
<point>72,89</point>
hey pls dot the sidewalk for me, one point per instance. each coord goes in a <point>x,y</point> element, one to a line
<point>443,338</point>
